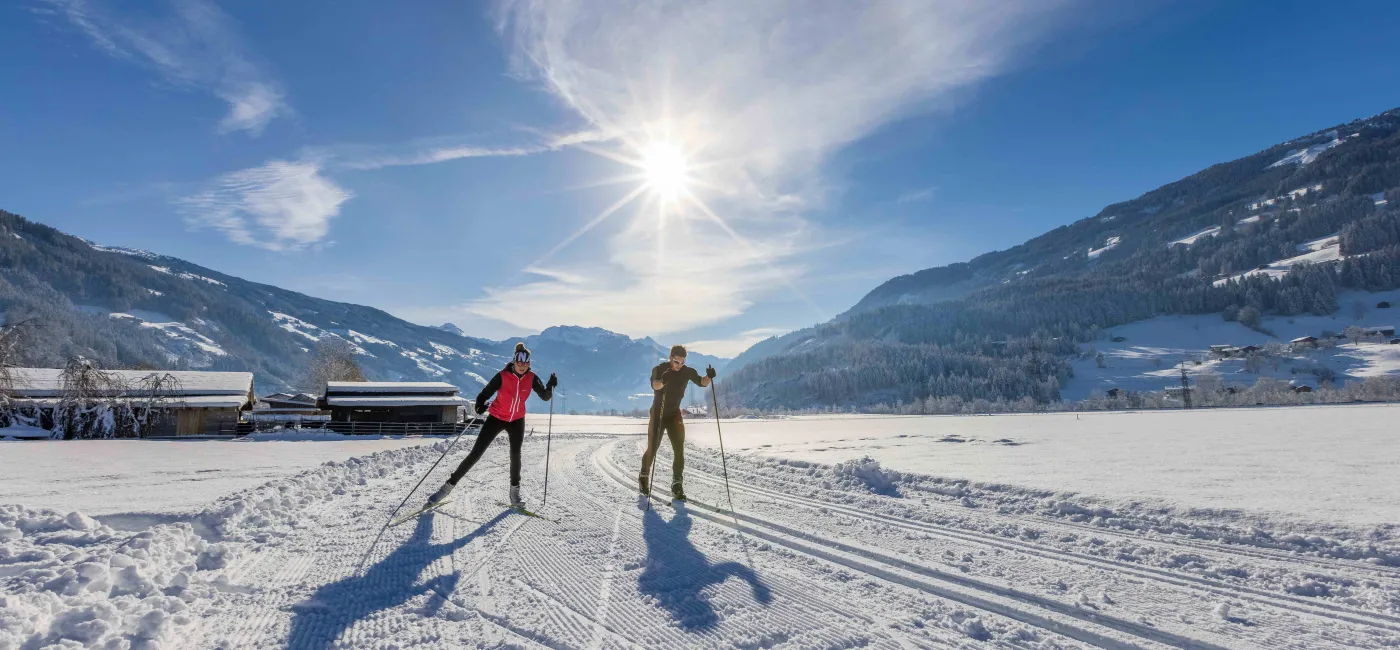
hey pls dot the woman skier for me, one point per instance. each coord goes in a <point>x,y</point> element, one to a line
<point>512,387</point>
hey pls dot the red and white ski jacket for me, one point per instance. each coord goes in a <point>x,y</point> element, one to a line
<point>511,391</point>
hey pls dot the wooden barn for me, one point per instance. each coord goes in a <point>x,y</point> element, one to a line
<point>398,402</point>
<point>196,403</point>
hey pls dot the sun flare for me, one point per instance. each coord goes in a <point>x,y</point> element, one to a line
<point>666,170</point>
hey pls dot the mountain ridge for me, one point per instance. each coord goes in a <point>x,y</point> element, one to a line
<point>127,306</point>
<point>1000,325</point>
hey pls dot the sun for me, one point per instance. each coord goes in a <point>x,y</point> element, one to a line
<point>665,169</point>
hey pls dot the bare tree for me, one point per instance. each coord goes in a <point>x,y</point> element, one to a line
<point>334,360</point>
<point>89,402</point>
<point>11,336</point>
<point>150,402</point>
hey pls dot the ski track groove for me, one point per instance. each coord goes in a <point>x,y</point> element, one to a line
<point>870,559</point>
<point>812,604</point>
<point>1283,558</point>
<point>600,614</point>
<point>1285,602</point>
<point>539,584</point>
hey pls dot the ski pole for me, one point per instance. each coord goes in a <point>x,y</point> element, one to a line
<point>415,489</point>
<point>652,477</point>
<point>548,440</point>
<point>723,463</point>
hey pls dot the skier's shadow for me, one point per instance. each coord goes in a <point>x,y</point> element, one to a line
<point>319,620</point>
<point>676,572</point>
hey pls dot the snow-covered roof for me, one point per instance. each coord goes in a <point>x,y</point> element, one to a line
<point>48,382</point>
<point>398,400</point>
<point>390,387</point>
<point>196,401</point>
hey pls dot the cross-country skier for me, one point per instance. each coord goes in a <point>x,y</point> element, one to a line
<point>512,387</point>
<point>668,384</point>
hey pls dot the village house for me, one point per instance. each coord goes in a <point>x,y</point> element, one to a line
<point>358,406</point>
<point>196,402</point>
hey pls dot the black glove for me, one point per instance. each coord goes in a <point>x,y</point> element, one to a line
<point>710,372</point>
<point>553,381</point>
<point>480,408</point>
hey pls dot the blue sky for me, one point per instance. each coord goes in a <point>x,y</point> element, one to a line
<point>441,160</point>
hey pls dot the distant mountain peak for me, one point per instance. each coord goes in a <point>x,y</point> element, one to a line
<point>586,337</point>
<point>449,327</point>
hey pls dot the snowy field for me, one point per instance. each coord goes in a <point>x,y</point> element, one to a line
<point>1329,464</point>
<point>1114,530</point>
<point>108,477</point>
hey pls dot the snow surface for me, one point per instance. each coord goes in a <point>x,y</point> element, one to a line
<point>1108,246</point>
<point>389,387</point>
<point>849,555</point>
<point>1146,360</point>
<point>107,477</point>
<point>1326,249</point>
<point>1189,240</point>
<point>1293,462</point>
<point>297,326</point>
<point>48,382</point>
<point>1307,155</point>
<point>188,276</point>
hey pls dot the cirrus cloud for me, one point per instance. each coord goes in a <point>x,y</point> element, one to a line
<point>279,206</point>
<point>195,46</point>
<point>760,95</point>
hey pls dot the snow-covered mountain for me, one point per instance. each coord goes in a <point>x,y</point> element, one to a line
<point>606,364</point>
<point>1281,232</point>
<point>126,307</point>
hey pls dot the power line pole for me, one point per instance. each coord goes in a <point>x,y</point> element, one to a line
<point>1185,386</point>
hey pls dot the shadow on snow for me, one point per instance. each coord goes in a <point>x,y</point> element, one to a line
<point>319,620</point>
<point>676,572</point>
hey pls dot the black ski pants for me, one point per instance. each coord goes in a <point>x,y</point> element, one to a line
<point>673,426</point>
<point>515,430</point>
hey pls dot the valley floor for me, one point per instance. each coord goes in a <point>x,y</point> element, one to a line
<point>818,556</point>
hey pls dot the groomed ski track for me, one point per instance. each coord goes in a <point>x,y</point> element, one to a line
<point>809,567</point>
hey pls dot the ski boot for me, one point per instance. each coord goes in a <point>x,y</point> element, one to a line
<point>643,485</point>
<point>515,501</point>
<point>441,494</point>
<point>677,492</point>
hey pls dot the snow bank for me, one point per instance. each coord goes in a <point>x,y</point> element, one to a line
<point>866,471</point>
<point>24,432</point>
<point>70,581</point>
<point>305,435</point>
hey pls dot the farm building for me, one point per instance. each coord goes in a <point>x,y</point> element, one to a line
<point>287,403</point>
<point>286,409</point>
<point>396,402</point>
<point>1382,330</point>
<point>194,403</point>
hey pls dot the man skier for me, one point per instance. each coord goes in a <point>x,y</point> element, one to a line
<point>668,384</point>
<point>512,387</point>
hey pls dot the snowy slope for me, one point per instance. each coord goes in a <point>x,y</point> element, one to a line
<point>845,556</point>
<point>1146,360</point>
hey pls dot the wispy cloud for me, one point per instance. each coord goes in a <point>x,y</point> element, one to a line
<point>762,94</point>
<point>732,347</point>
<point>195,46</point>
<point>286,206</point>
<point>278,206</point>
<point>427,152</point>
<point>916,196</point>
<point>435,155</point>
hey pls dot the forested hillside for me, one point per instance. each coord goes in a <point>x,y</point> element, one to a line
<point>1278,232</point>
<point>127,308</point>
